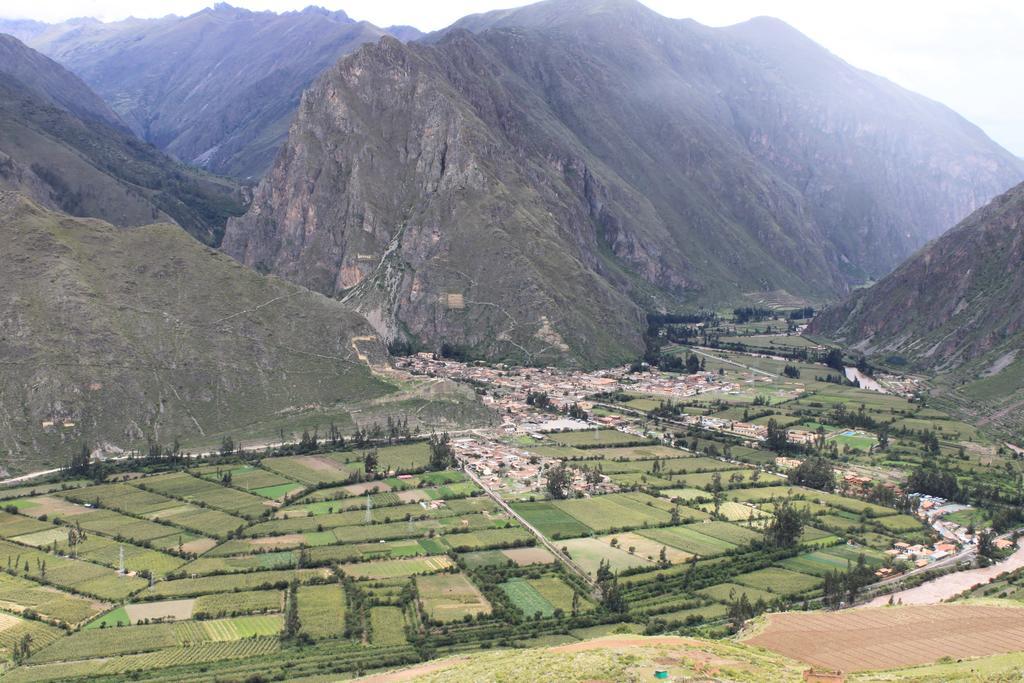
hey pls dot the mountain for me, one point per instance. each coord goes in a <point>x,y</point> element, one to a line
<point>953,310</point>
<point>215,89</point>
<point>111,336</point>
<point>22,29</point>
<point>528,182</point>
<point>63,146</point>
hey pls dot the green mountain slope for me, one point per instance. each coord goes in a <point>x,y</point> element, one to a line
<point>530,181</point>
<point>216,88</point>
<point>953,309</point>
<point>145,333</point>
<point>60,144</point>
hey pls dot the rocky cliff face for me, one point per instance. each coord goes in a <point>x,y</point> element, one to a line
<point>527,182</point>
<point>427,222</point>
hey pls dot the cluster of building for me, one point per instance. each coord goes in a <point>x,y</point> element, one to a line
<point>899,385</point>
<point>509,470</point>
<point>918,555</point>
<point>509,387</point>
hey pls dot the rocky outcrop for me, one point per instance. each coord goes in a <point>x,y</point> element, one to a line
<point>527,183</point>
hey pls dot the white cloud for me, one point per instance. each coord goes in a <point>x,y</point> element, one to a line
<point>967,55</point>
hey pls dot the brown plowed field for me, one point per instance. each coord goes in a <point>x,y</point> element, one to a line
<point>891,637</point>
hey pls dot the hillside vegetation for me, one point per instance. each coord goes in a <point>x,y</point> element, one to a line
<point>115,337</point>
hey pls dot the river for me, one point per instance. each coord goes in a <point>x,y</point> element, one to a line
<point>951,585</point>
<point>866,382</point>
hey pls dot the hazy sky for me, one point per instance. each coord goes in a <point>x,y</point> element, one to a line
<point>968,55</point>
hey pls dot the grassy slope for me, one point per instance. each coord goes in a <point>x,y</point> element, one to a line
<point>146,332</point>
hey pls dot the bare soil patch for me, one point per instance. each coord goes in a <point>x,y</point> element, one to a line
<point>412,672</point>
<point>318,464</point>
<point>199,546</point>
<point>525,556</point>
<point>278,541</point>
<point>167,609</point>
<point>364,486</point>
<point>51,506</point>
<point>892,637</point>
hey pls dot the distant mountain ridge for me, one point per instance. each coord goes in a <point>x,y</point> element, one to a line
<point>216,89</point>
<point>527,183</point>
<point>61,145</point>
<point>953,309</point>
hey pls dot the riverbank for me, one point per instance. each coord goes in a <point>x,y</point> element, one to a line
<point>951,585</point>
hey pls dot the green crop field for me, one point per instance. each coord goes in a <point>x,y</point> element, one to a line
<point>216,605</point>
<point>195,489</point>
<point>731,592</point>
<point>233,582</point>
<point>47,601</point>
<point>526,598</point>
<point>613,511</point>
<point>322,610</point>
<point>310,469</point>
<point>604,437</point>
<point>778,580</point>
<point>382,569</point>
<point>558,593</point>
<point>550,520</point>
<point>387,626</point>
<point>689,540</point>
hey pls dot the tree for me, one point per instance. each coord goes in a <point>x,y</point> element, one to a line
<point>227,446</point>
<point>23,648</point>
<point>80,461</point>
<point>787,526</point>
<point>441,454</point>
<point>604,572</point>
<point>834,359</point>
<point>816,473</point>
<point>370,460</point>
<point>777,439</point>
<point>674,519</point>
<point>716,493</point>
<point>739,612</point>
<point>692,364</point>
<point>791,371</point>
<point>986,544</point>
<point>663,558</point>
<point>558,481</point>
<point>309,442</point>
<point>292,625</point>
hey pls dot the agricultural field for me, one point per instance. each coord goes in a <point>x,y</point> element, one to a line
<point>192,489</point>
<point>322,610</point>
<point>18,594</point>
<point>591,438</point>
<point>690,539</point>
<point>388,569</point>
<point>387,626</point>
<point>588,553</point>
<point>441,568</point>
<point>450,597</point>
<point>882,638</point>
